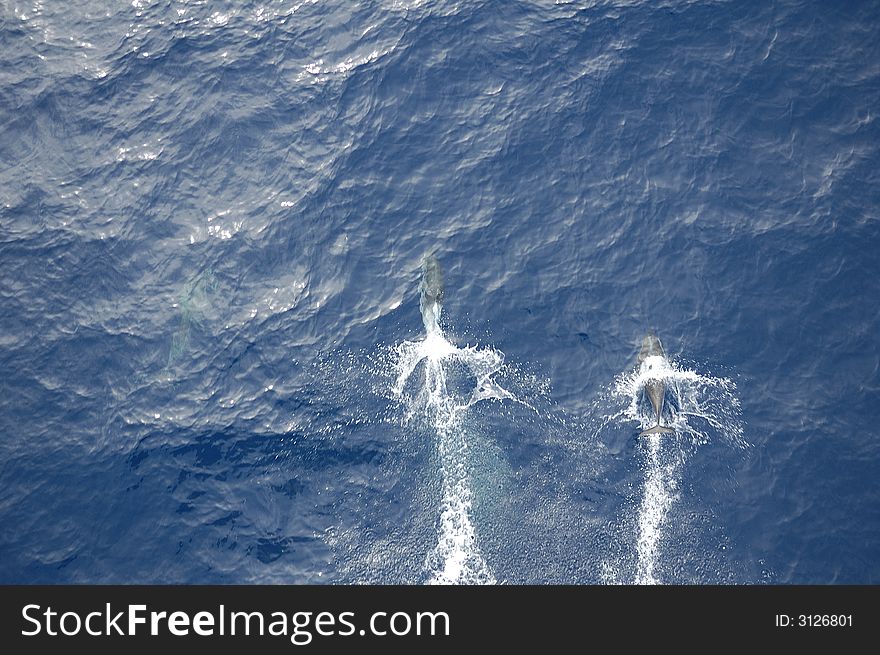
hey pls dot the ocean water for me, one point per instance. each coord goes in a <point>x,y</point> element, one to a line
<point>213,365</point>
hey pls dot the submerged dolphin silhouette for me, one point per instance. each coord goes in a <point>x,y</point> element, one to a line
<point>431,287</point>
<point>654,387</point>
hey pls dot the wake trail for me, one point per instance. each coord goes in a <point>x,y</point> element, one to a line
<point>456,559</point>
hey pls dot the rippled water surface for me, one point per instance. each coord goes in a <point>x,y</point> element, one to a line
<point>213,365</point>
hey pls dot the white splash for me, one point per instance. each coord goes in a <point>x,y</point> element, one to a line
<point>696,406</point>
<point>457,558</point>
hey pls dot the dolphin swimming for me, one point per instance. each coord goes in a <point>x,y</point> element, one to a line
<point>431,288</point>
<point>654,387</point>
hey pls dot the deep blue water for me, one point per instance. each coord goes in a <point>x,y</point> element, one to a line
<point>212,218</point>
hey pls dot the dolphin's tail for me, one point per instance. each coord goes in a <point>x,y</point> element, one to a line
<point>657,429</point>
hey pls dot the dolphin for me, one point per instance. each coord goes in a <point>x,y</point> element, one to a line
<point>431,287</point>
<point>654,387</point>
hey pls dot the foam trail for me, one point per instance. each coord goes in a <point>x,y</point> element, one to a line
<point>698,407</point>
<point>457,558</point>
<point>659,495</point>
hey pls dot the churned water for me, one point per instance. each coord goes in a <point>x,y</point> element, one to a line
<point>213,217</point>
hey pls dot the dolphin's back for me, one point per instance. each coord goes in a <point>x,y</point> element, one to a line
<point>654,388</point>
<point>432,281</point>
<point>431,287</point>
<point>650,346</point>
